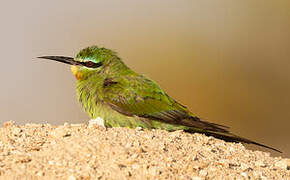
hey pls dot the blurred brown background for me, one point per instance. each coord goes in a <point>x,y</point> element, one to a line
<point>228,61</point>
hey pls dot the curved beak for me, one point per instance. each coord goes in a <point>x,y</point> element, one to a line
<point>63,59</point>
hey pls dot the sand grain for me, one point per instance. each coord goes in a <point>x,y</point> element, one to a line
<point>79,151</point>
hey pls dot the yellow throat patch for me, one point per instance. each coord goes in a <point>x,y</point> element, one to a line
<point>76,72</point>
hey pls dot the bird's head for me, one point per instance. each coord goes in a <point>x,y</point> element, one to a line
<point>88,61</point>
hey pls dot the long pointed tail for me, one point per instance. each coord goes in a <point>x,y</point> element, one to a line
<point>229,137</point>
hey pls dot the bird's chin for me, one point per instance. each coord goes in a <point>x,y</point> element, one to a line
<point>76,72</point>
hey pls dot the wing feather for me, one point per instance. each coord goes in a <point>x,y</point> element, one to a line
<point>139,96</point>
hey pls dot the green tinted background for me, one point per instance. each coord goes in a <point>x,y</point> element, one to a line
<point>228,61</point>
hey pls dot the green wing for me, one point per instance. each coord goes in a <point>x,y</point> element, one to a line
<point>139,96</point>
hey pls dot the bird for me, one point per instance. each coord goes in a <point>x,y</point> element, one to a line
<point>116,96</point>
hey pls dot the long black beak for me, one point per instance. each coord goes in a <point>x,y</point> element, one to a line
<point>63,59</point>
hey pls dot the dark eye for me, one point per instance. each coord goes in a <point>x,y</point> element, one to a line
<point>91,64</point>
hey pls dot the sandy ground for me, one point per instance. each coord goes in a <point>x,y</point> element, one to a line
<point>87,151</point>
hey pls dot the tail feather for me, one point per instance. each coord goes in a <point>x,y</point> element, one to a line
<point>195,122</point>
<point>229,137</point>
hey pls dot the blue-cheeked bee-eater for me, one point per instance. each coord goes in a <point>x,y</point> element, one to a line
<point>110,91</point>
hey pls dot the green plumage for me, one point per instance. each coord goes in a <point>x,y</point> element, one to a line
<point>124,98</point>
<point>108,89</point>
